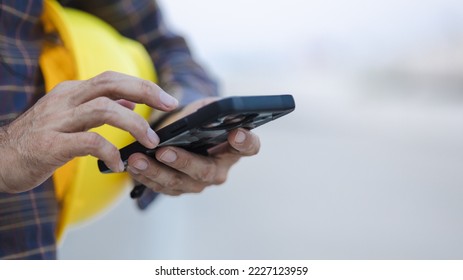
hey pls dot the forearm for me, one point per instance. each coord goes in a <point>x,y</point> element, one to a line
<point>17,172</point>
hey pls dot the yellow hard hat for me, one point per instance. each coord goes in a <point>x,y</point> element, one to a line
<point>89,47</point>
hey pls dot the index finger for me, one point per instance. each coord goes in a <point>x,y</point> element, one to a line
<point>116,86</point>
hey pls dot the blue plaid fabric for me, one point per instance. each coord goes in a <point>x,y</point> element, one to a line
<point>28,220</point>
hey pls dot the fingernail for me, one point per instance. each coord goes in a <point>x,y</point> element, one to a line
<point>169,156</point>
<point>141,164</point>
<point>240,137</point>
<point>168,100</point>
<point>152,136</point>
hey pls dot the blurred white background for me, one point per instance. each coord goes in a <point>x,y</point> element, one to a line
<point>369,166</point>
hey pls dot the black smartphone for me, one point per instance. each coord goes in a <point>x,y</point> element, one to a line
<point>209,125</point>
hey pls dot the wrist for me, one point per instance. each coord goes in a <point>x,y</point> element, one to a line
<point>5,159</point>
<point>8,163</point>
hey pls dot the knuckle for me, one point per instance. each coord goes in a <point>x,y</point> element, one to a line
<point>59,155</point>
<point>64,84</point>
<point>220,178</point>
<point>101,103</point>
<point>154,172</point>
<point>103,107</point>
<point>100,109</point>
<point>184,163</point>
<point>105,80</point>
<point>61,91</point>
<point>175,182</point>
<point>208,173</point>
<point>197,188</point>
<point>146,88</point>
<point>93,141</point>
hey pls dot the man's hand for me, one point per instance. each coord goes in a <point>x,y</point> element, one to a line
<point>55,129</point>
<point>176,171</point>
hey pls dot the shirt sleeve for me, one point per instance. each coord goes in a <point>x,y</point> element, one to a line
<point>177,71</point>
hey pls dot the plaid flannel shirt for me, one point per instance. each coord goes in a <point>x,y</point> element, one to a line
<point>28,220</point>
